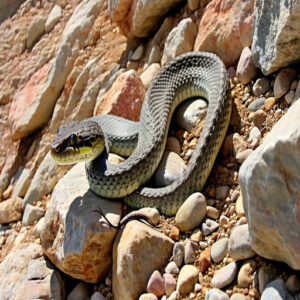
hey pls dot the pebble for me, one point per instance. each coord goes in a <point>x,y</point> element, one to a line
<point>191,213</point>
<point>151,213</point>
<point>138,53</point>
<point>224,276</point>
<point>149,73</point>
<point>189,252</point>
<point>155,284</point>
<point>241,221</point>
<point>239,245</point>
<point>234,196</point>
<point>80,291</point>
<point>216,294</point>
<point>239,207</point>
<point>269,103</point>
<point>187,279</point>
<point>148,296</point>
<point>238,296</point>
<point>173,145</point>
<point>221,192</point>
<point>294,84</point>
<point>193,4</point>
<point>212,212</point>
<point>261,86</point>
<point>283,81</point>
<point>289,97</point>
<point>31,214</point>
<point>196,235</point>
<point>178,254</point>
<point>275,290</point>
<point>204,260</point>
<point>219,250</point>
<point>239,143</point>
<point>223,221</point>
<point>245,275</point>
<point>174,233</point>
<point>259,118</point>
<point>266,274</point>
<point>246,70</point>
<point>114,159</point>
<point>203,245</point>
<point>209,226</point>
<point>293,284</point>
<point>278,113</point>
<point>170,284</point>
<point>254,134</point>
<point>154,56</point>
<point>172,268</point>
<point>97,296</point>
<point>257,104</point>
<point>197,288</point>
<point>242,156</point>
<point>174,296</point>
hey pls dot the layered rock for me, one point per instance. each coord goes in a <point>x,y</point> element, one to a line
<point>270,181</point>
<point>226,29</point>
<point>276,40</point>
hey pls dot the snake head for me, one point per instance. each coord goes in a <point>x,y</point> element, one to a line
<point>77,141</point>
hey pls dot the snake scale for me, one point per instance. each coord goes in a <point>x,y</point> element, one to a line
<point>193,74</point>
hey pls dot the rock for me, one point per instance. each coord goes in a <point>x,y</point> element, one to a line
<point>138,53</point>
<point>170,284</point>
<point>204,260</point>
<point>53,18</point>
<point>124,98</point>
<point>97,296</point>
<point>190,113</point>
<point>221,192</point>
<point>257,104</point>
<point>238,296</point>
<point>191,213</point>
<point>154,55</point>
<point>266,274</point>
<point>223,221</point>
<point>269,103</point>
<point>212,212</point>
<point>35,30</point>
<point>242,156</point>
<point>31,214</point>
<point>293,284</point>
<point>73,237</point>
<point>239,145</point>
<point>23,183</point>
<point>219,250</point>
<point>172,268</point>
<point>151,213</point>
<point>254,134</point>
<point>170,168</point>
<point>193,4</point>
<point>11,210</point>
<point>259,118</point>
<point>174,296</point>
<point>148,75</point>
<point>139,18</point>
<point>8,8</point>
<point>289,97</point>
<point>135,242</point>
<point>114,159</point>
<point>189,252</point>
<point>196,235</point>
<point>178,254</point>
<point>268,177</point>
<point>174,233</point>
<point>208,227</point>
<point>261,86</point>
<point>148,296</point>
<point>276,48</point>
<point>173,145</point>
<point>216,294</point>
<point>187,279</point>
<point>180,40</point>
<point>80,291</point>
<point>155,284</point>
<point>25,274</point>
<point>43,181</point>
<point>226,29</point>
<point>276,290</point>
<point>245,275</point>
<point>239,207</point>
<point>283,80</point>
<point>224,276</point>
<point>239,245</point>
<point>246,70</point>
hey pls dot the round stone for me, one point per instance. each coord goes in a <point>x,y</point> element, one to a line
<point>216,294</point>
<point>178,254</point>
<point>245,275</point>
<point>224,276</point>
<point>187,279</point>
<point>219,249</point>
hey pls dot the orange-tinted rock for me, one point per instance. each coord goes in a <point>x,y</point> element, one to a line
<point>226,28</point>
<point>124,98</point>
<point>204,260</point>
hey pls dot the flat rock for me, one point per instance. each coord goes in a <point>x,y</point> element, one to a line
<point>75,236</point>
<point>31,214</point>
<point>216,294</point>
<point>11,210</point>
<point>275,30</point>
<point>180,40</point>
<point>137,245</point>
<point>191,213</point>
<point>187,279</point>
<point>270,181</point>
<point>246,70</point>
<point>219,250</point>
<point>25,274</point>
<point>257,104</point>
<point>224,276</point>
<point>189,252</point>
<point>53,18</point>
<point>226,29</point>
<point>239,245</point>
<point>138,53</point>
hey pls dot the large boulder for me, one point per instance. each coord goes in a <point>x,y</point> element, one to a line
<point>139,18</point>
<point>276,34</point>
<point>226,29</point>
<point>270,185</point>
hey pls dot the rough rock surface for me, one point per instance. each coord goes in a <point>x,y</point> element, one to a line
<point>25,274</point>
<point>10,210</point>
<point>135,246</point>
<point>276,41</point>
<point>226,29</point>
<point>73,237</point>
<point>270,187</point>
<point>8,7</point>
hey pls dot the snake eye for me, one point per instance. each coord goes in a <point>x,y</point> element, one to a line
<point>73,139</point>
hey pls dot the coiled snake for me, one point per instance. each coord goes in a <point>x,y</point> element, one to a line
<point>189,75</point>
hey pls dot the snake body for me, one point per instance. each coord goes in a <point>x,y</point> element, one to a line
<point>189,75</point>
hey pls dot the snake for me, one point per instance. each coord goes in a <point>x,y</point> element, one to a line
<point>190,75</point>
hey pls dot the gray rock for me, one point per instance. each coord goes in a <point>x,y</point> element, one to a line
<point>283,81</point>
<point>238,296</point>
<point>224,276</point>
<point>180,40</point>
<point>239,245</point>
<point>266,274</point>
<point>138,53</point>
<point>97,296</point>
<point>219,250</point>
<point>79,292</point>
<point>293,284</point>
<point>23,183</point>
<point>257,104</point>
<point>191,113</point>
<point>191,213</point>
<point>209,226</point>
<point>35,30</point>
<point>216,294</point>
<point>275,34</point>
<point>189,252</point>
<point>261,86</point>
<point>170,168</point>
<point>289,97</point>
<point>222,191</point>
<point>246,70</point>
<point>53,18</point>
<point>276,290</point>
<point>31,214</point>
<point>270,181</point>
<point>154,55</point>
<point>178,254</point>
<point>8,8</point>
